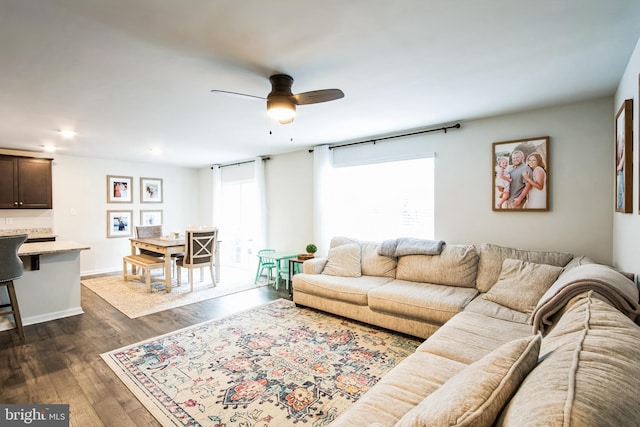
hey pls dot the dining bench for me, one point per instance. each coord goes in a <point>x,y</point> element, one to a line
<point>144,262</point>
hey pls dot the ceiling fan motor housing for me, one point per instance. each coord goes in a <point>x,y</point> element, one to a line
<point>281,104</point>
<point>280,85</point>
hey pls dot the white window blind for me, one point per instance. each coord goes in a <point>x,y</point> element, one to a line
<point>382,200</point>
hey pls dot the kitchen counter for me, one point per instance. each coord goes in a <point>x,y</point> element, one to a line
<point>40,248</point>
<point>50,286</point>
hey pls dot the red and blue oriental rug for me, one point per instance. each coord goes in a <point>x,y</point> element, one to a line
<point>274,365</point>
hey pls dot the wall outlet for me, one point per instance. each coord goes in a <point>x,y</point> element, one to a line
<point>8,221</point>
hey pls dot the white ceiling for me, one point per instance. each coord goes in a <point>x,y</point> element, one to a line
<point>130,75</point>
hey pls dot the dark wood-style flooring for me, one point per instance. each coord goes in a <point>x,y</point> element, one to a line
<point>59,362</point>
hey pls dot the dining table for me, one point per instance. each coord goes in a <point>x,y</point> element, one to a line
<point>281,257</point>
<point>166,247</point>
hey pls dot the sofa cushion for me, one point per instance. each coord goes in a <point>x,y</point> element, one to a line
<point>344,260</point>
<point>398,391</point>
<point>576,262</point>
<point>489,308</point>
<point>468,337</point>
<point>432,303</point>
<point>348,289</point>
<point>521,284</point>
<point>476,395</point>
<point>341,240</point>
<point>457,265</point>
<point>492,256</point>
<point>587,374</point>
<point>374,264</point>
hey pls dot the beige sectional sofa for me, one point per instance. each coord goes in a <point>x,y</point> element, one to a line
<point>514,337</point>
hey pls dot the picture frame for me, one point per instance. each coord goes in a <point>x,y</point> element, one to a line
<point>623,155</point>
<point>119,223</point>
<point>520,175</point>
<point>151,190</point>
<point>149,217</point>
<point>119,189</point>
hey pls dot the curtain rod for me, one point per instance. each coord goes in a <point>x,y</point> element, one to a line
<point>443,129</point>
<point>240,163</point>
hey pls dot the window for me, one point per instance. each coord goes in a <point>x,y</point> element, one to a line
<point>382,200</point>
<point>239,222</point>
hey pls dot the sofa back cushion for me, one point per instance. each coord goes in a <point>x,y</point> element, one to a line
<point>475,396</point>
<point>457,265</point>
<point>521,284</point>
<point>587,373</point>
<point>372,264</point>
<point>492,257</point>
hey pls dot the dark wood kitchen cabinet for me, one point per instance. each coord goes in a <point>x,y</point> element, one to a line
<point>25,183</point>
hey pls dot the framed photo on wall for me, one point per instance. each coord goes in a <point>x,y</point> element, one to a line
<point>624,158</point>
<point>151,217</point>
<point>520,175</point>
<point>119,189</point>
<point>119,224</point>
<point>151,190</point>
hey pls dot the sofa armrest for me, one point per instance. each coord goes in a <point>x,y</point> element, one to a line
<point>314,265</point>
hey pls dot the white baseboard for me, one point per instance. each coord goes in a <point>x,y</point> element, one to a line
<point>52,316</point>
<point>100,271</point>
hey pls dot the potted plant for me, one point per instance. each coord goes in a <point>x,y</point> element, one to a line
<point>311,250</point>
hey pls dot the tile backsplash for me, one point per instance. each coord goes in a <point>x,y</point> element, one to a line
<point>32,232</point>
<point>11,219</point>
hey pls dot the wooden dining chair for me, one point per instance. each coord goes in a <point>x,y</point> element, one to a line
<point>199,252</point>
<point>147,231</point>
<point>152,231</point>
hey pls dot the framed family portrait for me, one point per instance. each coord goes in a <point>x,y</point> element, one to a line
<point>520,175</point>
<point>151,190</point>
<point>119,189</point>
<point>624,158</point>
<point>119,223</point>
<point>151,217</point>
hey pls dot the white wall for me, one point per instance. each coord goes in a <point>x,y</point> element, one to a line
<point>580,182</point>
<point>205,190</point>
<point>289,182</point>
<point>80,206</point>
<point>581,219</point>
<point>626,227</point>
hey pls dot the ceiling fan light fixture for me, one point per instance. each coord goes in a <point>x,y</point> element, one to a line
<point>282,109</point>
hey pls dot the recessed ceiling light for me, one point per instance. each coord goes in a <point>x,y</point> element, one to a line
<point>67,134</point>
<point>156,151</point>
<point>49,148</point>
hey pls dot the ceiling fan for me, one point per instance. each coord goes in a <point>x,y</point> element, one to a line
<point>281,102</point>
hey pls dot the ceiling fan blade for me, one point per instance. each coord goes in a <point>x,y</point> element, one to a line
<point>317,96</point>
<point>226,92</point>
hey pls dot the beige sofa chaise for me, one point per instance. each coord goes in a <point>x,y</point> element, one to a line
<point>514,337</point>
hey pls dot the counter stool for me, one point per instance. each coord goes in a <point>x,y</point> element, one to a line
<point>11,268</point>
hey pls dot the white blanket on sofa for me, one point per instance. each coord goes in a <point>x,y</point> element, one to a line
<point>621,292</point>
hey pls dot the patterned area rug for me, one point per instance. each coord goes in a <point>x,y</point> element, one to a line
<point>133,298</point>
<point>275,365</point>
